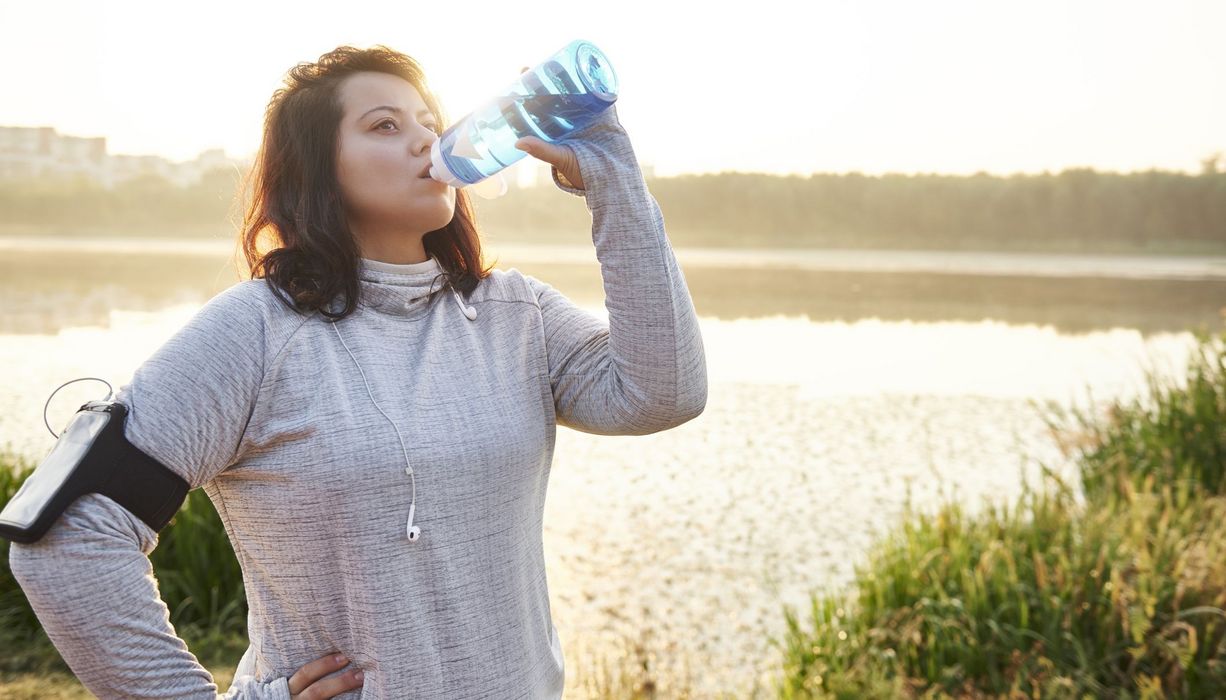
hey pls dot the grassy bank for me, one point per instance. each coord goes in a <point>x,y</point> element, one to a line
<point>1114,589</point>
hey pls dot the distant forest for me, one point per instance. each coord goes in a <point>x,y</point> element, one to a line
<point>1075,210</point>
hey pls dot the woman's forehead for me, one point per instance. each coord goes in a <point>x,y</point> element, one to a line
<point>364,91</point>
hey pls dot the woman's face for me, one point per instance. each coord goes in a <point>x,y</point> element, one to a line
<point>382,154</point>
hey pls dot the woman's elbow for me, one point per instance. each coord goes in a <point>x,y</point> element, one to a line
<point>687,405</point>
<point>692,392</point>
<point>692,403</point>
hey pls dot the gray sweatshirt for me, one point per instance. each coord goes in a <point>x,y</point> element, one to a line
<point>303,432</point>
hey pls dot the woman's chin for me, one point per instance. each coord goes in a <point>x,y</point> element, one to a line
<point>442,212</point>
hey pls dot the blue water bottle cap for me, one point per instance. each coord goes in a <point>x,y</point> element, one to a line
<point>596,72</point>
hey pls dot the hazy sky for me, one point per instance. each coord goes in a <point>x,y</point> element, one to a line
<point>766,86</point>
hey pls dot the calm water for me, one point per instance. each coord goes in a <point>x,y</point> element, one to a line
<point>840,381</point>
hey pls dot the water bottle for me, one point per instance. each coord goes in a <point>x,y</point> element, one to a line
<point>562,94</point>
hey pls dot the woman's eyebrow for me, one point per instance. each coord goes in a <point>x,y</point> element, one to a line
<point>390,108</point>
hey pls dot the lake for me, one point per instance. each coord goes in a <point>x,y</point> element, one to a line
<point>840,383</point>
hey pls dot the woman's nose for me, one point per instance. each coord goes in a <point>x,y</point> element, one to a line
<point>424,140</point>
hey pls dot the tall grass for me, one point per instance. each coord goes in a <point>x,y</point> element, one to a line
<point>1178,436</point>
<point>1122,595</point>
<point>23,645</point>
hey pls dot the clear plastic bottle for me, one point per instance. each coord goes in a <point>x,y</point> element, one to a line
<point>562,94</point>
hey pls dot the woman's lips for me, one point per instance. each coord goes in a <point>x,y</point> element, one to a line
<point>425,175</point>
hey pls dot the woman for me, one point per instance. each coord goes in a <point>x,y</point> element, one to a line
<point>373,415</point>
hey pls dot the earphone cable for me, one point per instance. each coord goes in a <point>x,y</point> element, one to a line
<point>404,450</point>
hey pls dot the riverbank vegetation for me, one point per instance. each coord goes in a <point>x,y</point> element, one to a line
<point>1110,586</point>
<point>1075,210</point>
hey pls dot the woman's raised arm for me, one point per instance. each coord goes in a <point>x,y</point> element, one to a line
<point>645,370</point>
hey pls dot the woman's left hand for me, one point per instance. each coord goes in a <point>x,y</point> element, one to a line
<point>559,155</point>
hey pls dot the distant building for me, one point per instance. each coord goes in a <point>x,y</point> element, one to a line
<point>27,152</point>
<point>39,151</point>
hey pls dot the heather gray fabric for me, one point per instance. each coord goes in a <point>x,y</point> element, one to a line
<point>267,411</point>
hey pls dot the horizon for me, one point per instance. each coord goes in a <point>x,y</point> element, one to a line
<point>1218,160</point>
<point>948,88</point>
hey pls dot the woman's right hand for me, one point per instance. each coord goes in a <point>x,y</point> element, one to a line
<point>306,683</point>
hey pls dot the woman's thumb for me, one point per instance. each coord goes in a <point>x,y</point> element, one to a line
<point>541,149</point>
<point>532,146</point>
<point>555,154</point>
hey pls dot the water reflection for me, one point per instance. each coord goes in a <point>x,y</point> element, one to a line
<point>46,290</point>
<point>1069,304</point>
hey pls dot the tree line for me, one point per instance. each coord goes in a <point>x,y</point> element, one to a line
<point>1078,209</point>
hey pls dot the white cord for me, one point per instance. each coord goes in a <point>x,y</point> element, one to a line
<point>389,420</point>
<point>109,392</point>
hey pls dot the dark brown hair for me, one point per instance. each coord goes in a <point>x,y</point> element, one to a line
<point>294,231</point>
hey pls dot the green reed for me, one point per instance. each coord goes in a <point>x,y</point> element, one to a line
<point>23,646</point>
<point>1178,435</point>
<point>1118,594</point>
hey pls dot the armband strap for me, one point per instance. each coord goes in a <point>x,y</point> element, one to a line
<point>93,455</point>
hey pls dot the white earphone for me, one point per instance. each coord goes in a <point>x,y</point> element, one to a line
<point>412,530</point>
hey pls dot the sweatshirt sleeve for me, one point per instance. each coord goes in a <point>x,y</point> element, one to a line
<point>89,579</point>
<point>644,370</point>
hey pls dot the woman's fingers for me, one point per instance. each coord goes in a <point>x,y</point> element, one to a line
<point>315,670</point>
<point>305,684</point>
<point>559,156</point>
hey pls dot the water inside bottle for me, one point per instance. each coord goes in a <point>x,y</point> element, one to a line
<point>487,144</point>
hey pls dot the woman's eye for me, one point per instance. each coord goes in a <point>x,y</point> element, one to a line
<point>432,127</point>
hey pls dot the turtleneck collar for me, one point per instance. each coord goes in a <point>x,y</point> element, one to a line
<point>430,264</point>
<point>404,289</point>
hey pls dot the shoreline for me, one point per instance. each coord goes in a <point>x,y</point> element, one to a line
<point>952,262</point>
